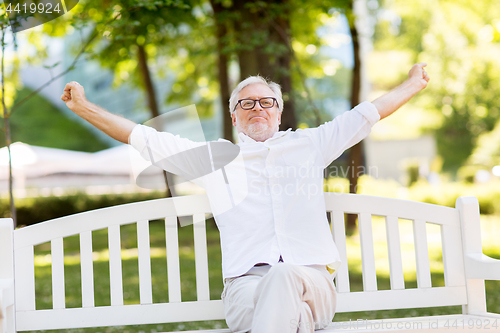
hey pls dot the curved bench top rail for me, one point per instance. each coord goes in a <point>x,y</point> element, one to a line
<point>105,217</point>
<point>404,209</point>
<point>198,204</point>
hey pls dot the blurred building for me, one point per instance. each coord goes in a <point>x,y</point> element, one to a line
<point>393,159</point>
<point>41,171</point>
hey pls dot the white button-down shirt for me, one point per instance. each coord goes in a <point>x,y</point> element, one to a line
<point>268,202</point>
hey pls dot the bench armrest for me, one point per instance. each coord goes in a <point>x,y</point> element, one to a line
<point>480,266</point>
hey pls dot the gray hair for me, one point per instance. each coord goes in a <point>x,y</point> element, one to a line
<point>276,88</point>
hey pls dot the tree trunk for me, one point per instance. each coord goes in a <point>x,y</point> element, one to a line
<point>153,105</point>
<point>148,83</point>
<point>223,60</point>
<point>356,152</point>
<point>288,118</point>
<point>255,32</point>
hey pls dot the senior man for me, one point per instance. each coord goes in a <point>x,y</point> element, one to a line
<point>278,256</point>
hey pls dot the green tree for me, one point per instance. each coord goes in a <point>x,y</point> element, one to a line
<point>266,38</point>
<point>132,32</point>
<point>461,42</point>
<point>197,42</point>
<point>486,154</point>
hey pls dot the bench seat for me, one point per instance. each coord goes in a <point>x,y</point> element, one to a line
<point>452,323</point>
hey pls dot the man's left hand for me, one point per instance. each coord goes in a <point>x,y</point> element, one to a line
<point>418,74</point>
<point>393,100</point>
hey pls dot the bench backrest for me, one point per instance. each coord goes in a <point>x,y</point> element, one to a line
<point>197,207</point>
<point>393,210</point>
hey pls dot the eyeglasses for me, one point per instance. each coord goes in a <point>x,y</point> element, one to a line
<point>247,104</point>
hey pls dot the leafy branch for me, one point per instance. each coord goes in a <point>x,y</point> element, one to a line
<point>67,70</point>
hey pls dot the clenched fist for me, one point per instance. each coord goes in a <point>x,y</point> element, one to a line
<point>418,73</point>
<point>115,126</point>
<point>73,95</point>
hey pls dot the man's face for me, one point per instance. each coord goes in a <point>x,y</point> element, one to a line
<point>258,123</point>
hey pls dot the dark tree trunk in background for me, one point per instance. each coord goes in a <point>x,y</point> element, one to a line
<point>356,152</point>
<point>288,118</point>
<point>223,61</point>
<point>258,30</point>
<point>152,104</point>
<point>147,81</point>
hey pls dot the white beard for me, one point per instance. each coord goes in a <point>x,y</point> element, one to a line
<point>258,131</point>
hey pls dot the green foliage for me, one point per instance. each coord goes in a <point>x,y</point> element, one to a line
<point>446,194</point>
<point>38,122</point>
<point>487,151</point>
<point>175,35</point>
<point>181,43</point>
<point>257,27</point>
<point>179,40</point>
<point>460,40</point>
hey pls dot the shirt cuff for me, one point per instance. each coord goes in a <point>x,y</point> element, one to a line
<point>369,111</point>
<point>138,137</point>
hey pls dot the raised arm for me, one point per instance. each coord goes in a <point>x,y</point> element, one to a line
<point>115,126</point>
<point>393,100</point>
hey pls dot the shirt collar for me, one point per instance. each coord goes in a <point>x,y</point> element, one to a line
<point>243,138</point>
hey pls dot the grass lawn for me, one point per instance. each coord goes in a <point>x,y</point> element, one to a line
<point>490,229</point>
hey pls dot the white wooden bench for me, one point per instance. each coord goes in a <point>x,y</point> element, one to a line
<point>465,266</point>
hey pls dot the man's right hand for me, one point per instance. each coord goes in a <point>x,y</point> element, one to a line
<point>115,126</point>
<point>73,95</point>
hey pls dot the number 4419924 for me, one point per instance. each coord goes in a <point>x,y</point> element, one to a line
<point>33,8</point>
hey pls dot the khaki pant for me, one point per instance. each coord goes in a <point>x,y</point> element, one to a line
<point>280,299</point>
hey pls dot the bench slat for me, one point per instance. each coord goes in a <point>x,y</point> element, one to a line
<point>338,230</point>
<point>144,257</point>
<point>213,310</point>
<point>106,217</point>
<point>401,299</point>
<point>367,252</point>
<point>133,314</point>
<point>87,267</point>
<point>453,263</point>
<point>57,255</point>
<point>173,267</point>
<point>115,265</point>
<point>404,209</point>
<point>421,254</point>
<point>201,257</point>
<point>394,250</point>
<point>25,278</point>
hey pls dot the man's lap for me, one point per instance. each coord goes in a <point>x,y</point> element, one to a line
<point>239,293</point>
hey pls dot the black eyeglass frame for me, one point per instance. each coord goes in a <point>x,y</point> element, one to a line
<point>275,101</point>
